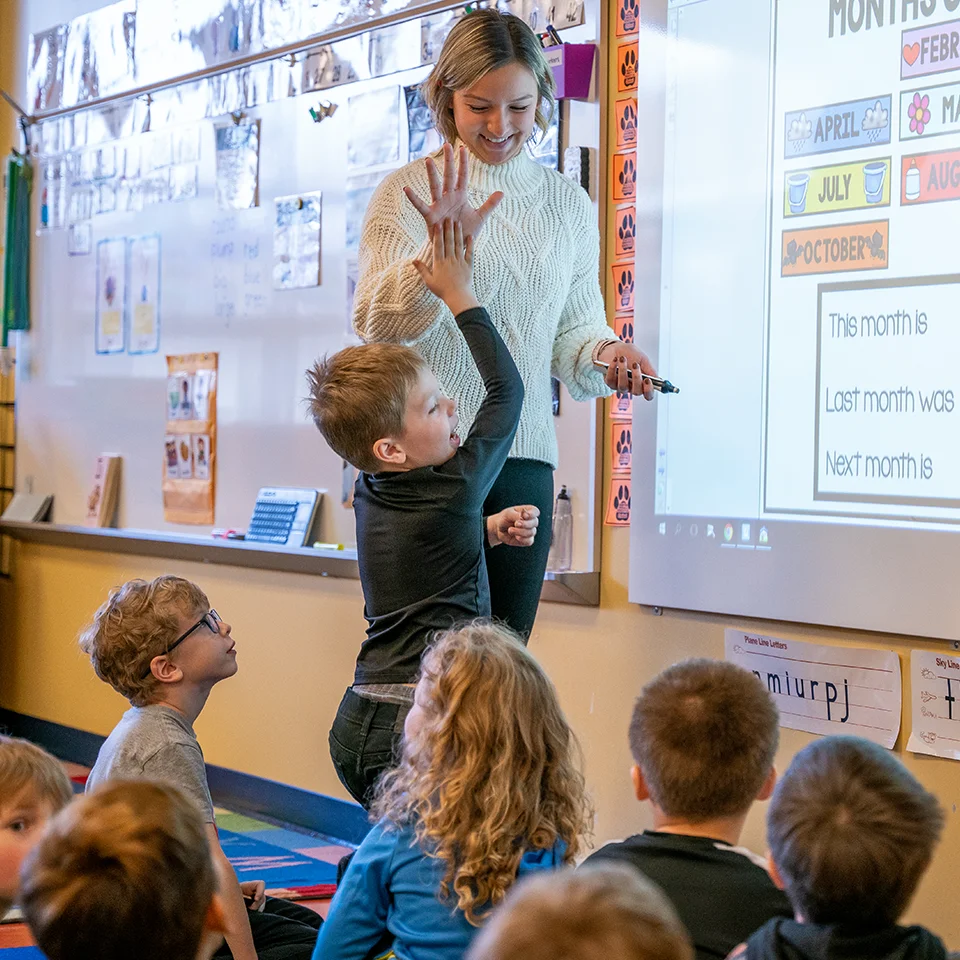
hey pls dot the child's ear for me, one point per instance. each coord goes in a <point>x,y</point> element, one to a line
<point>766,791</point>
<point>389,451</point>
<point>214,927</point>
<point>165,670</point>
<point>639,784</point>
<point>774,872</point>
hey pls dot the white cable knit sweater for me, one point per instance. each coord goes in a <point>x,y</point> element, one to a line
<point>535,268</point>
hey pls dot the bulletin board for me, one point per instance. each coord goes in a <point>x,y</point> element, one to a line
<point>223,286</point>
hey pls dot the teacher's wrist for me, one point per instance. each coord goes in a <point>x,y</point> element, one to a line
<point>606,351</point>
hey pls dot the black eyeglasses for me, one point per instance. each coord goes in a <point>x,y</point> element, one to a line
<point>211,620</point>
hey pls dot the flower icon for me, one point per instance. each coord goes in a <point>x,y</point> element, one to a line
<point>918,113</point>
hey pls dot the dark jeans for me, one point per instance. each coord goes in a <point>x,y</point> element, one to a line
<point>283,931</point>
<point>364,741</point>
<point>516,573</point>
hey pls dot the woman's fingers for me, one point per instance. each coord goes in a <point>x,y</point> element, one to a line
<point>449,174</point>
<point>458,240</point>
<point>434,180</point>
<point>468,249</point>
<point>489,205</point>
<point>422,208</point>
<point>462,169</point>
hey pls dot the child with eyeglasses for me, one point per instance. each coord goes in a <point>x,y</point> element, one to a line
<point>160,645</point>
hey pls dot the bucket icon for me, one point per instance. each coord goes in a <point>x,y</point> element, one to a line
<point>797,184</point>
<point>873,174</point>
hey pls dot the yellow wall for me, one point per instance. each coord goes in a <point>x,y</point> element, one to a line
<point>297,637</point>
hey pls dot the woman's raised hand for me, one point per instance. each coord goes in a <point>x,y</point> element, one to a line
<point>449,199</point>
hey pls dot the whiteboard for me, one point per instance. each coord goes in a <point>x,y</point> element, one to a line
<point>217,295</point>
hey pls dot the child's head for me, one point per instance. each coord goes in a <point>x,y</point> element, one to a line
<point>33,787</point>
<point>490,766</point>
<point>607,912</point>
<point>157,632</point>
<point>379,407</point>
<point>704,734</point>
<point>851,832</point>
<point>123,872</point>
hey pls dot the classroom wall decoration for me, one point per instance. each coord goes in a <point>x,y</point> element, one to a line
<point>296,242</point>
<point>189,447</point>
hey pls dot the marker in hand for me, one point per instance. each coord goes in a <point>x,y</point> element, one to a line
<point>658,383</point>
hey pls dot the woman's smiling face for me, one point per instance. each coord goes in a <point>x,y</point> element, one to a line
<point>496,115</point>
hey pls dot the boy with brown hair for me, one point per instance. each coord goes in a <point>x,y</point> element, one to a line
<point>33,787</point>
<point>609,912</point>
<point>851,833</point>
<point>161,646</point>
<point>124,872</point>
<point>703,736</point>
<point>421,535</point>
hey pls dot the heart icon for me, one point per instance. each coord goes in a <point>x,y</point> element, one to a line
<point>910,54</point>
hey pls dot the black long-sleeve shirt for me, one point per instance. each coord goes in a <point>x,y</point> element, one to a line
<point>420,533</point>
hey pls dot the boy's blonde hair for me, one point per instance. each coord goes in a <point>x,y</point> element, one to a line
<point>851,832</point>
<point>704,734</point>
<point>25,767</point>
<point>482,41</point>
<point>607,912</point>
<point>494,769</point>
<point>359,396</point>
<point>138,622</point>
<point>123,872</point>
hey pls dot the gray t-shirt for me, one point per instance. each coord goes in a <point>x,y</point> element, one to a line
<point>155,743</point>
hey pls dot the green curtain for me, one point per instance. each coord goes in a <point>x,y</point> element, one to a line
<point>16,262</point>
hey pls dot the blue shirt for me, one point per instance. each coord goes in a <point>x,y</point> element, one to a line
<point>392,890</point>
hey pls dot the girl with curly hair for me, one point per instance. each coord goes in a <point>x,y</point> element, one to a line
<point>489,788</point>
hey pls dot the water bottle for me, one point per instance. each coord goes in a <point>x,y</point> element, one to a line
<point>561,547</point>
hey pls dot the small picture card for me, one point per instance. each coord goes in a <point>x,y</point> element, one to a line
<point>185,404</point>
<point>201,456</point>
<point>184,457</point>
<point>174,394</point>
<point>201,394</point>
<point>170,457</point>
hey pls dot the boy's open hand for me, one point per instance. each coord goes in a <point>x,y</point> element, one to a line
<point>451,275</point>
<point>515,526</point>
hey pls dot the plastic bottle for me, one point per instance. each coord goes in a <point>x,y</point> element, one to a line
<point>561,547</point>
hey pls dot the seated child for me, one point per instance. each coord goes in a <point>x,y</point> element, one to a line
<point>419,500</point>
<point>33,787</point>
<point>851,833</point>
<point>609,912</point>
<point>124,872</point>
<point>488,788</point>
<point>703,736</point>
<point>161,646</point>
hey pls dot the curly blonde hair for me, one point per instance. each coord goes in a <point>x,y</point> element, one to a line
<point>482,41</point>
<point>139,621</point>
<point>493,771</point>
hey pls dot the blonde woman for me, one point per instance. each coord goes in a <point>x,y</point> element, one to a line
<point>536,255</point>
<point>489,788</point>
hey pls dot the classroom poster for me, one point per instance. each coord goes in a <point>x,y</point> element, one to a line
<point>424,137</point>
<point>238,165</point>
<point>825,690</point>
<point>145,294</point>
<point>111,295</point>
<point>374,137</point>
<point>934,689</point>
<point>296,241</point>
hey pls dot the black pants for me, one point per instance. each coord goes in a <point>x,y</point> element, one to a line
<point>516,573</point>
<point>364,741</point>
<point>283,931</point>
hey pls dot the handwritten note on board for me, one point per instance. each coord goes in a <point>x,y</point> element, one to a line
<point>934,691</point>
<point>826,690</point>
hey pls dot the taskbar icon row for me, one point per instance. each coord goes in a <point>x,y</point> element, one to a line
<point>727,533</point>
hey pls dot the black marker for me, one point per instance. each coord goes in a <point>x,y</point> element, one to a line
<point>664,386</point>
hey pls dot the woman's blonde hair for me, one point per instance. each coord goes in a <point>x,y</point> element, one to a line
<point>494,769</point>
<point>483,41</point>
